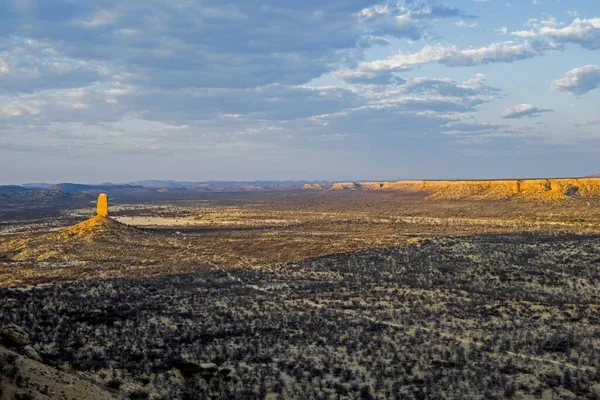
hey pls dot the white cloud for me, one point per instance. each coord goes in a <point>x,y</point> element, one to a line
<point>524,110</point>
<point>401,21</point>
<point>493,53</point>
<point>499,52</point>
<point>99,19</point>
<point>579,80</point>
<point>476,86</point>
<point>28,65</point>
<point>524,34</point>
<point>585,32</point>
<point>463,24</point>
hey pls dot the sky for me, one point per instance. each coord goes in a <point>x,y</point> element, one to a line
<point>107,90</point>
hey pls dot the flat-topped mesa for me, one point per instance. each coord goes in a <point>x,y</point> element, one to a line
<point>533,189</point>
<point>102,207</point>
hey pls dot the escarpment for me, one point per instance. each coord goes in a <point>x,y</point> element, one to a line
<point>534,189</point>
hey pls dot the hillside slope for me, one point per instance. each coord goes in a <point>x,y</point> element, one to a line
<point>97,237</point>
<point>24,378</point>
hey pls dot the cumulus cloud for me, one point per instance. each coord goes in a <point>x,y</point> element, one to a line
<point>579,80</point>
<point>524,110</point>
<point>585,32</point>
<point>524,34</point>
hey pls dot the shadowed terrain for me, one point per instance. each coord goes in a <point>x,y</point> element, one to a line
<point>493,316</point>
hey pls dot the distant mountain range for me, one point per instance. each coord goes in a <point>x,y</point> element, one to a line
<point>158,184</point>
<point>78,188</point>
<point>152,184</point>
<point>19,193</point>
<point>29,191</point>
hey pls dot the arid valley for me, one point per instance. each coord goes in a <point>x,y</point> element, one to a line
<point>301,292</point>
<point>299,200</point>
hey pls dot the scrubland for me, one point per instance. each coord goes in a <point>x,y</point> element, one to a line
<point>311,295</point>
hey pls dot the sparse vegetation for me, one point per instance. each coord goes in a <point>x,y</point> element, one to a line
<point>471,316</point>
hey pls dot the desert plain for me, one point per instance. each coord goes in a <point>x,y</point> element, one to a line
<point>366,290</point>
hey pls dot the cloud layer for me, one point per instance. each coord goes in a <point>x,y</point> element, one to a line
<point>265,81</point>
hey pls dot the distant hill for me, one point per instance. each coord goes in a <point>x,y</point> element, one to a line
<point>10,192</point>
<point>80,188</point>
<point>162,185</point>
<point>37,185</point>
<point>256,183</point>
<point>10,189</point>
<point>61,190</point>
<point>22,194</point>
<point>157,184</point>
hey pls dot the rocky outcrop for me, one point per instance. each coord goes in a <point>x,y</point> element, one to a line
<point>312,186</point>
<point>30,352</point>
<point>13,335</point>
<point>102,207</point>
<point>534,189</point>
<point>346,186</point>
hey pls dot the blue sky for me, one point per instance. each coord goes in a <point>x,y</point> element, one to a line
<point>336,90</point>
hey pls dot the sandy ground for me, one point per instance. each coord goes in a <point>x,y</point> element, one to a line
<point>174,222</point>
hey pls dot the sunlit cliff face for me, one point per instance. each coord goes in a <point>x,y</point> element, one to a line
<point>538,189</point>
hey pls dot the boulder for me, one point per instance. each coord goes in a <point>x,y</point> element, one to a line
<point>14,335</point>
<point>31,353</point>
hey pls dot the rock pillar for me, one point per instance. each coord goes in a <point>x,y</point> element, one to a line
<point>102,207</point>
